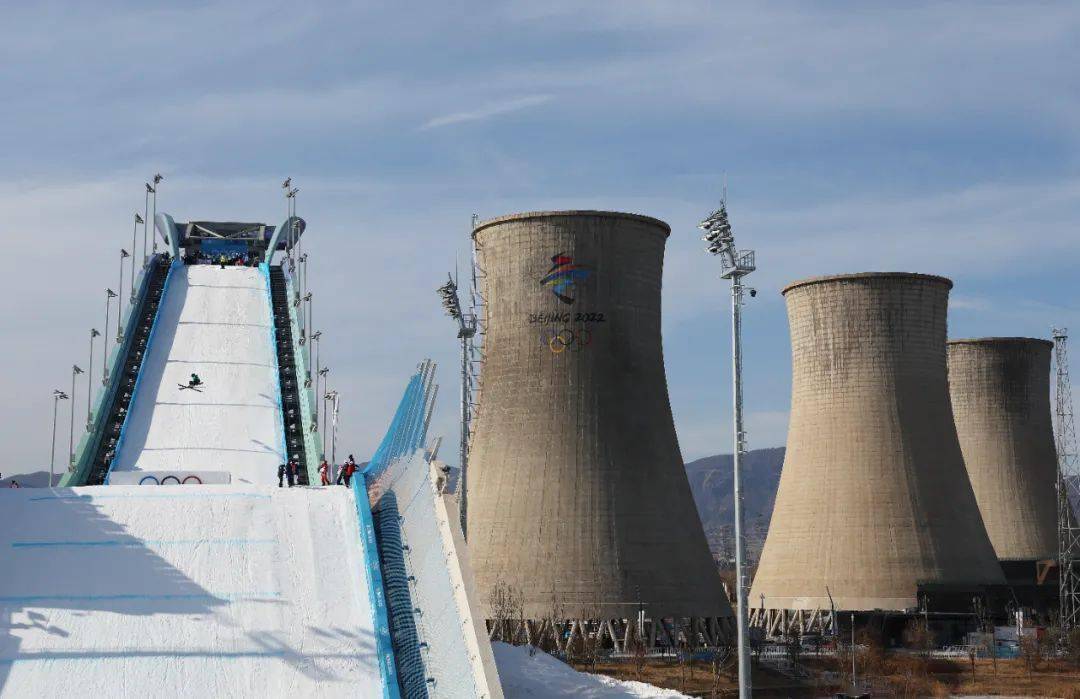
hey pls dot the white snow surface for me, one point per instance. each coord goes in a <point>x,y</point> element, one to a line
<point>216,323</point>
<point>184,591</point>
<point>541,675</point>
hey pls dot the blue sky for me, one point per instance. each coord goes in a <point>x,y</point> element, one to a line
<point>928,137</point>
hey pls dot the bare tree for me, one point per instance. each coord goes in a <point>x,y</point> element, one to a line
<point>723,663</point>
<point>507,611</point>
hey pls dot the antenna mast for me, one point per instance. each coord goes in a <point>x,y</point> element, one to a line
<point>1068,483</point>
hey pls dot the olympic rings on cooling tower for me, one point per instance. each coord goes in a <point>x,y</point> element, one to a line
<point>561,340</point>
<point>170,480</point>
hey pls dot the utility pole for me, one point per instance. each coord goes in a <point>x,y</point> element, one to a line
<point>466,329</point>
<point>1068,481</point>
<point>734,265</point>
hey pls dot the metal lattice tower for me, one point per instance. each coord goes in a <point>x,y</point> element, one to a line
<point>1067,486</point>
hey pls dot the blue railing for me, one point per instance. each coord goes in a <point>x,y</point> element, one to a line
<point>383,644</point>
<point>91,440</point>
<point>139,375</point>
<point>408,429</point>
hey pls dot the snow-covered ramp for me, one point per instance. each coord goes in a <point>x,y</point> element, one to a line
<point>208,591</point>
<point>216,323</point>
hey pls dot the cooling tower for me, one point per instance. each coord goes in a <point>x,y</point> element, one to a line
<point>874,502</point>
<point>577,496</point>
<point>1000,388</point>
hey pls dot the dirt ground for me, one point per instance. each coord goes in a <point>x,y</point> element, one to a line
<point>896,676</point>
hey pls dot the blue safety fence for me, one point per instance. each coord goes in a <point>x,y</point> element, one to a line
<point>376,595</point>
<point>91,439</point>
<point>408,429</point>
<point>441,647</point>
<point>135,394</point>
<point>402,614</point>
<point>406,434</point>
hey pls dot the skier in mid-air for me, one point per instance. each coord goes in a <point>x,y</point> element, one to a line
<point>195,381</point>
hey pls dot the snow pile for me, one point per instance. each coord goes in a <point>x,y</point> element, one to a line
<point>215,323</point>
<point>544,676</point>
<point>203,591</point>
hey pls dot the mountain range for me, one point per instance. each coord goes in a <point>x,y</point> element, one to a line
<point>711,484</point>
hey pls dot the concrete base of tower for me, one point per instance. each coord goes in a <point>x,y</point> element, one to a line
<point>619,635</point>
<point>1034,584</point>
<point>949,610</point>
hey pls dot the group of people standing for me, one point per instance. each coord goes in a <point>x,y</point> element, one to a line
<point>290,471</point>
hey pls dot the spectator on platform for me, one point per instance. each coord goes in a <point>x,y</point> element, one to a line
<point>324,472</point>
<point>349,468</point>
<point>281,475</point>
<point>293,473</point>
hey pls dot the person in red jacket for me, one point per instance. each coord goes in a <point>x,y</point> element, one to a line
<point>349,468</point>
<point>324,472</point>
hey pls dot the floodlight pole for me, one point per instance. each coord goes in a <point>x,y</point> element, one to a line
<point>90,378</point>
<point>75,371</point>
<point>146,225</point>
<point>58,396</point>
<point>157,181</point>
<point>109,295</point>
<point>466,331</point>
<point>120,301</point>
<point>735,264</point>
<point>134,238</point>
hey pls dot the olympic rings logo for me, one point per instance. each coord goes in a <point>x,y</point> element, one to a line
<point>169,480</point>
<point>561,340</point>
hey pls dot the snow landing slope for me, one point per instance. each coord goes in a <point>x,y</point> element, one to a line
<point>216,323</point>
<point>184,591</point>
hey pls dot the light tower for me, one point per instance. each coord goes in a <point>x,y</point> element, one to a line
<point>466,329</point>
<point>1067,483</point>
<point>734,265</point>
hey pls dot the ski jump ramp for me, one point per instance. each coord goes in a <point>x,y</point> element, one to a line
<point>215,323</point>
<point>238,590</point>
<point>184,591</point>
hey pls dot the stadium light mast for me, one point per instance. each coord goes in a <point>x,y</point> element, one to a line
<point>734,265</point>
<point>58,396</point>
<point>109,296</point>
<point>90,378</point>
<point>333,397</point>
<point>146,224</point>
<point>466,330</point>
<point>75,371</point>
<point>134,238</point>
<point>157,181</point>
<point>120,303</point>
<point>322,421</point>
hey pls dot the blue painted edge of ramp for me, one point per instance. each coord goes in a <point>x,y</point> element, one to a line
<point>142,364</point>
<point>383,647</point>
<point>264,269</point>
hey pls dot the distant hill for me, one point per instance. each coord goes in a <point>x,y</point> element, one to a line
<point>711,484</point>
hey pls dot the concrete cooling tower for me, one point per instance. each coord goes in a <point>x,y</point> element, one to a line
<point>1000,388</point>
<point>577,496</point>
<point>874,505</point>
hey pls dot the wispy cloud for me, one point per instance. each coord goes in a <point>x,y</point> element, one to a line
<point>487,111</point>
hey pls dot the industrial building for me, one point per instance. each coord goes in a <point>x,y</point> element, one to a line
<point>874,509</point>
<point>1000,391</point>
<point>577,496</point>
